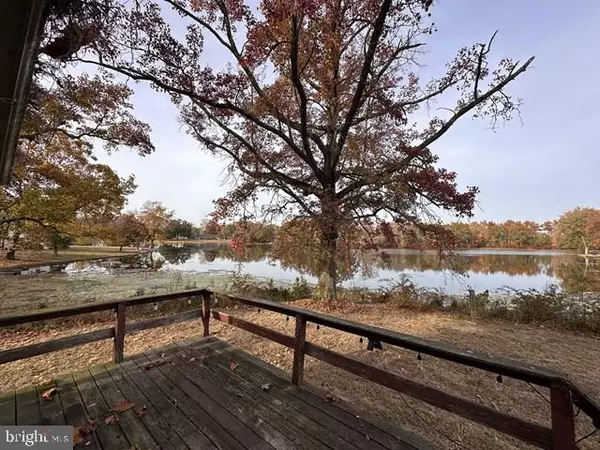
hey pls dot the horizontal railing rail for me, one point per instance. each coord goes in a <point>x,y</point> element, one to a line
<point>117,333</point>
<point>70,311</point>
<point>564,393</point>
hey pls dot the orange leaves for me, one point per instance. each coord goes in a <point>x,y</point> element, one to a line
<point>48,394</point>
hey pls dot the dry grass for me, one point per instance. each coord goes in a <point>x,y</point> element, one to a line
<point>577,355</point>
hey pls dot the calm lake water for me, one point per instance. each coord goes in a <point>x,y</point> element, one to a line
<point>480,269</point>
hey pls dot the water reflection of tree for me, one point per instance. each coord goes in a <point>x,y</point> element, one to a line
<point>175,254</point>
<point>244,253</point>
<point>484,263</point>
<point>307,259</point>
<point>576,276</point>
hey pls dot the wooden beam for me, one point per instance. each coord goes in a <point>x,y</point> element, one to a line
<point>563,419</point>
<point>54,313</point>
<point>299,339</point>
<point>206,313</point>
<point>134,327</point>
<point>54,345</point>
<point>272,335</point>
<point>504,366</point>
<point>119,340</point>
<point>529,432</point>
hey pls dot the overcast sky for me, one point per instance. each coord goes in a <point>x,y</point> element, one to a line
<point>529,170</point>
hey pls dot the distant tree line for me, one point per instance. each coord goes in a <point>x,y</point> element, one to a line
<point>577,229</point>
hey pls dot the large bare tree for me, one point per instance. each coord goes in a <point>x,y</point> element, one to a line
<point>321,105</point>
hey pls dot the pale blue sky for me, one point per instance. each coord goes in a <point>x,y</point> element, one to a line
<point>532,170</point>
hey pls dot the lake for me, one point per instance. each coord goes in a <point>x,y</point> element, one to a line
<point>481,269</point>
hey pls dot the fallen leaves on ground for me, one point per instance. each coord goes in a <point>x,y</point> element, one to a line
<point>266,386</point>
<point>152,364</point>
<point>111,420</point>
<point>83,430</point>
<point>122,406</point>
<point>329,397</point>
<point>233,365</point>
<point>47,395</point>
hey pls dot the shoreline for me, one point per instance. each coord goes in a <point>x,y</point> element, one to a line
<point>99,256</point>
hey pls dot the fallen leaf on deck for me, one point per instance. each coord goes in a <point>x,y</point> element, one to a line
<point>80,432</point>
<point>122,406</point>
<point>266,386</point>
<point>47,395</point>
<point>154,364</point>
<point>192,359</point>
<point>111,420</point>
<point>77,436</point>
<point>329,397</point>
<point>233,366</point>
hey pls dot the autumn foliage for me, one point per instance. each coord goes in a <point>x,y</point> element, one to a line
<point>319,105</point>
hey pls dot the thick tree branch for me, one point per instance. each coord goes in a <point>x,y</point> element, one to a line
<point>473,104</point>
<point>378,27</point>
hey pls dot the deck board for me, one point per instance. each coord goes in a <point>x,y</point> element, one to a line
<point>8,408</point>
<point>187,397</point>
<point>165,436</point>
<point>51,412</point>
<point>327,432</point>
<point>73,409</point>
<point>110,436</point>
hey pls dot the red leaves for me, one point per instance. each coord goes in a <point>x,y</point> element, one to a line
<point>233,366</point>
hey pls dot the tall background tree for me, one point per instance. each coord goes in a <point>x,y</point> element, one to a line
<point>128,230</point>
<point>321,108</point>
<point>579,229</point>
<point>57,183</point>
<point>155,217</point>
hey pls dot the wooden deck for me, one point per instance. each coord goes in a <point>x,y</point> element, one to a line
<point>202,394</point>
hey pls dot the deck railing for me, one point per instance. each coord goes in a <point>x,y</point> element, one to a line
<point>564,394</point>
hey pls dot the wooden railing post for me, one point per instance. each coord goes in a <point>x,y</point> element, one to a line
<point>206,313</point>
<point>300,337</point>
<point>119,340</point>
<point>563,419</point>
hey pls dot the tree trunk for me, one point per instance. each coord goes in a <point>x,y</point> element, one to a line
<point>55,249</point>
<point>585,247</point>
<point>10,255</point>
<point>330,237</point>
<point>120,248</point>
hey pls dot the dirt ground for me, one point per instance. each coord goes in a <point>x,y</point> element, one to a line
<point>578,355</point>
